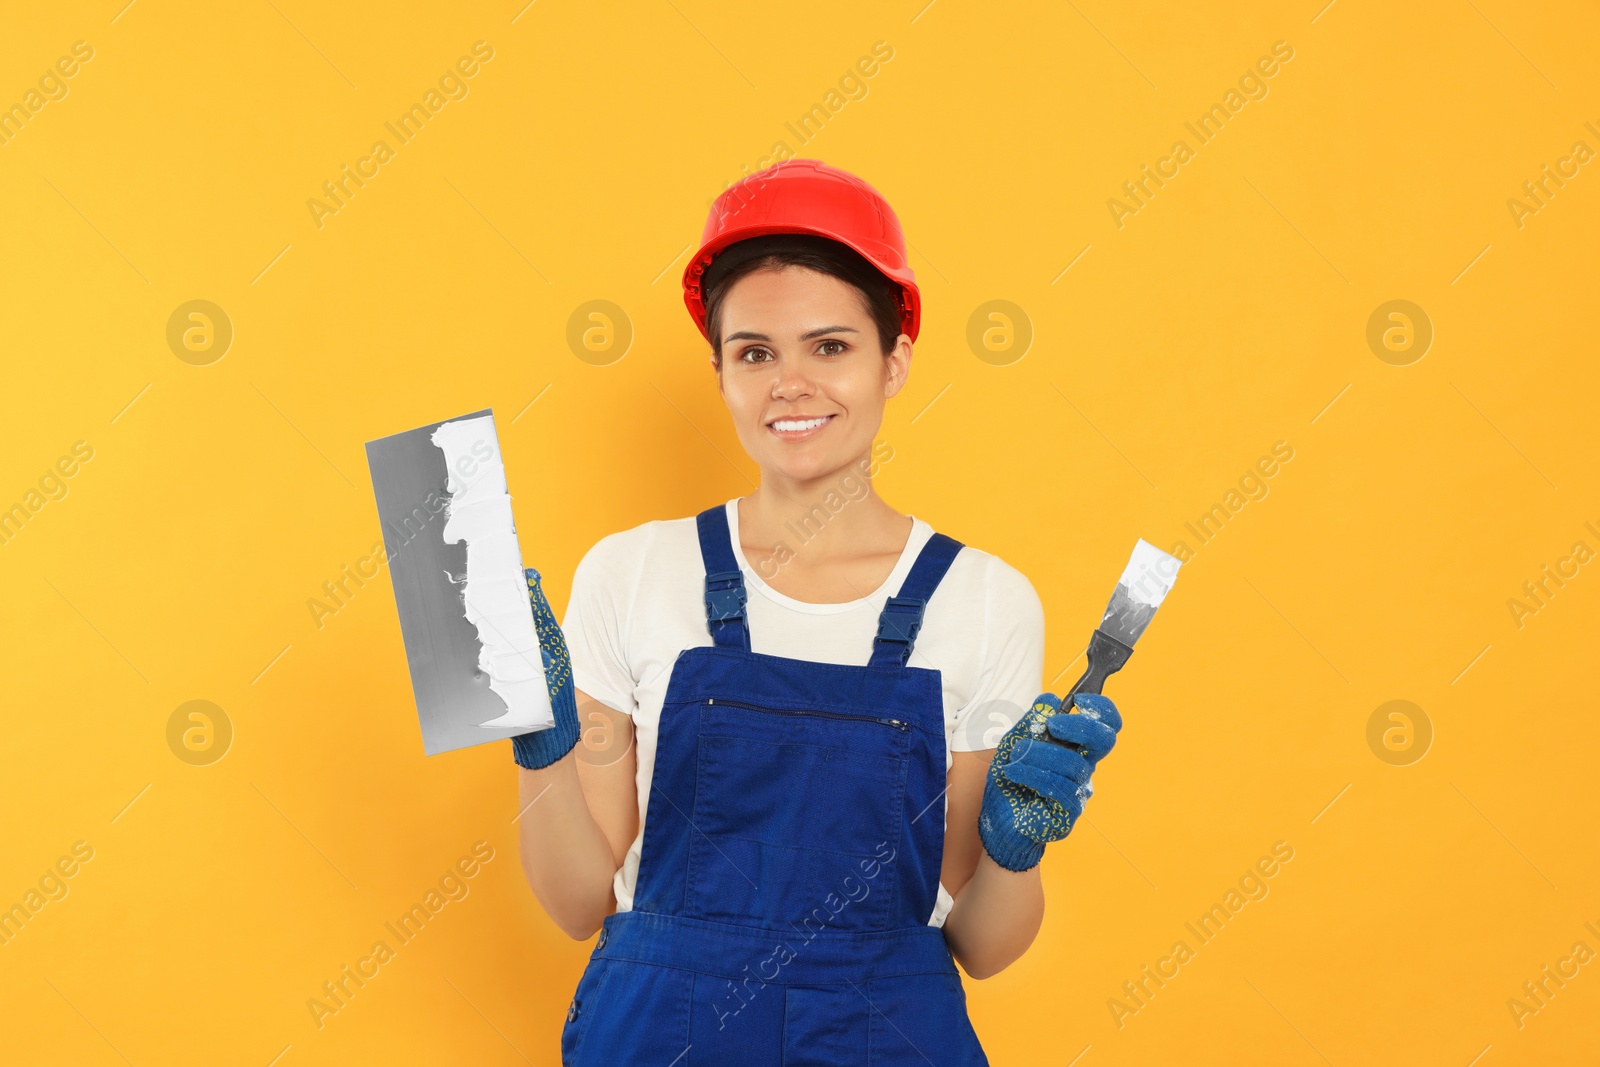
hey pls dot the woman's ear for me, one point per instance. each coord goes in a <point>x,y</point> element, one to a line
<point>898,364</point>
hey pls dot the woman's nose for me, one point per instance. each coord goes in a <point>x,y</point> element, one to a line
<point>792,382</point>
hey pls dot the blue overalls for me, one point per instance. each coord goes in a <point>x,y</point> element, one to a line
<point>790,862</point>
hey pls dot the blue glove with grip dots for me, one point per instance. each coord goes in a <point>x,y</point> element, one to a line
<point>1037,785</point>
<point>544,747</point>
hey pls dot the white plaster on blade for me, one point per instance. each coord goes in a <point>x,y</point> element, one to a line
<point>1149,574</point>
<point>495,593</point>
<point>1141,589</point>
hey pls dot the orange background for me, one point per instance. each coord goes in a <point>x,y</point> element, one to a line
<point>1228,314</point>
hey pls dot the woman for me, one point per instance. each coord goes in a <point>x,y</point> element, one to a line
<point>786,844</point>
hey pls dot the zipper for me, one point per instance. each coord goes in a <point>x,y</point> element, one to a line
<point>896,723</point>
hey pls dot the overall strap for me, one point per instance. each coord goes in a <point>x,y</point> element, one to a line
<point>725,596</point>
<point>902,614</point>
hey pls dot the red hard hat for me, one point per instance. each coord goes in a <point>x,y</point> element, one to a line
<point>810,197</point>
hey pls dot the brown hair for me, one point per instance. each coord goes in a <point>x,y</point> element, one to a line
<point>821,254</point>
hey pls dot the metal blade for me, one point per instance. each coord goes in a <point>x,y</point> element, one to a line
<point>1144,584</point>
<point>417,494</point>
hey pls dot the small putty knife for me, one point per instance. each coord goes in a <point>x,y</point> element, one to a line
<point>1144,584</point>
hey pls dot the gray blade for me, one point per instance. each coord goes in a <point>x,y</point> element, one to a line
<point>412,487</point>
<point>1144,584</point>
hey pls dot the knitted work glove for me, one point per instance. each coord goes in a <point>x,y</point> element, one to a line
<point>544,747</point>
<point>1037,785</point>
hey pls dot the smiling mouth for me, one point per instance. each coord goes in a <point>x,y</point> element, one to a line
<point>798,429</point>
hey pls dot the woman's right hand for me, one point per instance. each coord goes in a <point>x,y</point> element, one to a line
<point>544,747</point>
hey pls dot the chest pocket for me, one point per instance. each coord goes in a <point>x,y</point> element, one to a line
<point>798,817</point>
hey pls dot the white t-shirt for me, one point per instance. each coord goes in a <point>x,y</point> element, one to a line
<point>638,599</point>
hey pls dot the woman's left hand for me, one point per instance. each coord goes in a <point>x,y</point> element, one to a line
<point>1037,785</point>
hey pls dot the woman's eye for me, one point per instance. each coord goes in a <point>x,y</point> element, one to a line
<point>841,344</point>
<point>749,352</point>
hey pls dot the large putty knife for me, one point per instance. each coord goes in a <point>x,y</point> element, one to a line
<point>1144,584</point>
<point>477,671</point>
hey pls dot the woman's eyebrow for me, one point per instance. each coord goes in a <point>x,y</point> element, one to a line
<point>750,335</point>
<point>811,334</point>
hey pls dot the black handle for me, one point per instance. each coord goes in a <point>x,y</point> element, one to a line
<point>1106,657</point>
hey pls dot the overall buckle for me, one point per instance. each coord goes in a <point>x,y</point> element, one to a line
<point>725,596</point>
<point>901,619</point>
